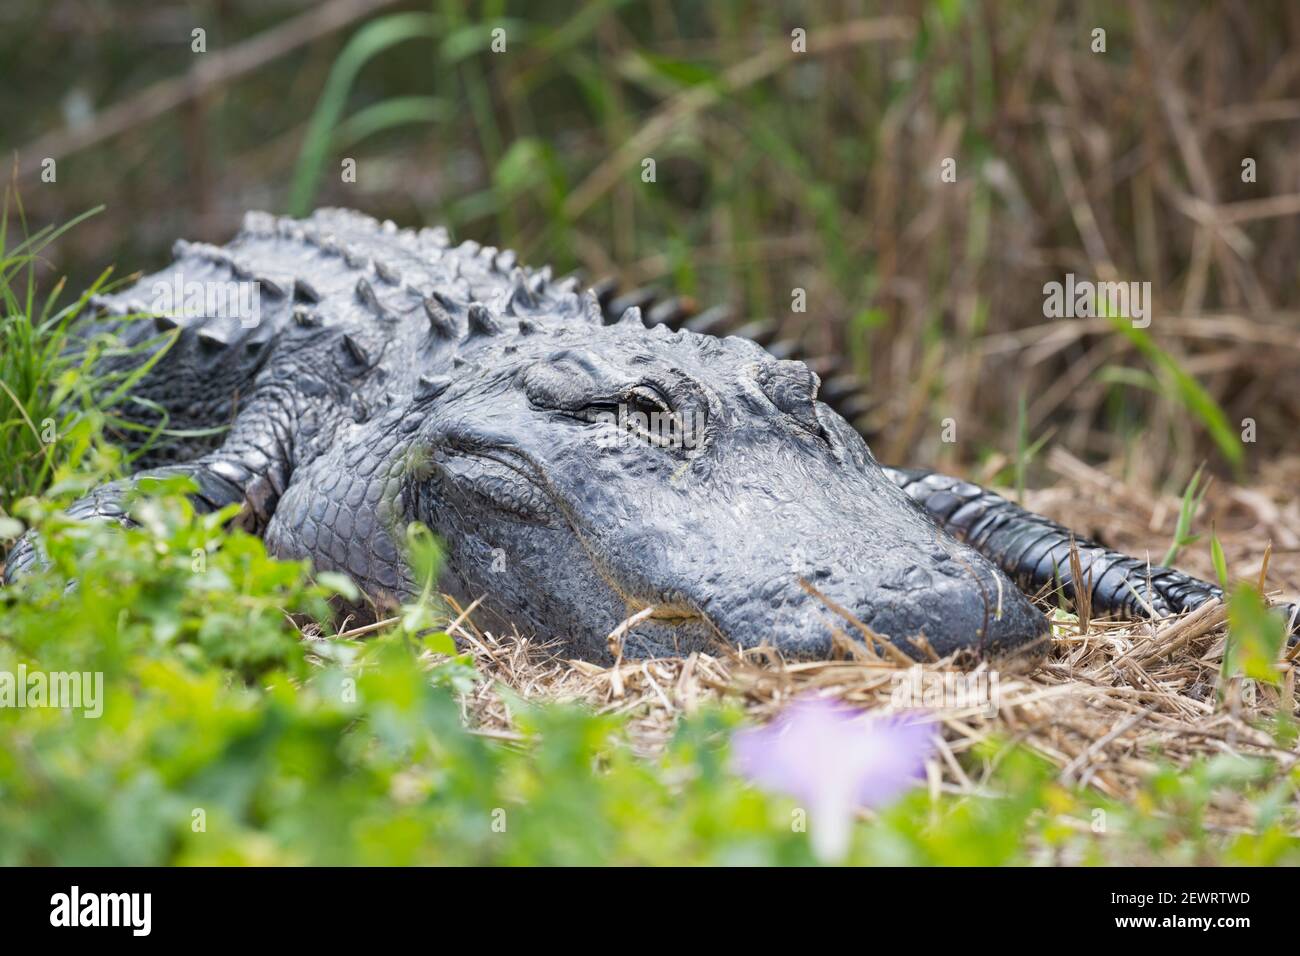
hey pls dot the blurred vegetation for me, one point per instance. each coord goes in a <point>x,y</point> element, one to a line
<point>775,170</point>
<point>226,738</point>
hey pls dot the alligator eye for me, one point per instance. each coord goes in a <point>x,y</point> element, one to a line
<point>646,400</point>
<point>637,400</point>
<point>643,412</point>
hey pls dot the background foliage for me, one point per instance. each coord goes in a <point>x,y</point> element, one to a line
<point>774,171</point>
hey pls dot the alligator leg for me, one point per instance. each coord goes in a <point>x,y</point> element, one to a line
<point>1035,551</point>
<point>251,468</point>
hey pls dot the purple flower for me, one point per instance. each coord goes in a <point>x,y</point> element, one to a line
<point>834,760</point>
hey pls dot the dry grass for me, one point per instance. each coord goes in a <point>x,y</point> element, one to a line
<point>1104,704</point>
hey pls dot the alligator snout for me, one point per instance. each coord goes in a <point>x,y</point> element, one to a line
<point>948,598</point>
<point>831,547</point>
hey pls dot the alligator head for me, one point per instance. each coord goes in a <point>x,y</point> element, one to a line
<point>580,476</point>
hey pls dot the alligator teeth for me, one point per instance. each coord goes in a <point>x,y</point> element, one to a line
<point>387,272</point>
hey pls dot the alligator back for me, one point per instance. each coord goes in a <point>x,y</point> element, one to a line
<point>219,312</point>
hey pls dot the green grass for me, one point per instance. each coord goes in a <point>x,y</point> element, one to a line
<point>1190,504</point>
<point>55,398</point>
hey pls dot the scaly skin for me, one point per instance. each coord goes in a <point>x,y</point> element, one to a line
<point>393,378</point>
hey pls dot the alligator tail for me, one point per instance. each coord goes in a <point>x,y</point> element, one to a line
<point>841,388</point>
<point>1036,552</point>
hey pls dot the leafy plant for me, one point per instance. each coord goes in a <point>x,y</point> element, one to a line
<point>229,737</point>
<point>56,398</point>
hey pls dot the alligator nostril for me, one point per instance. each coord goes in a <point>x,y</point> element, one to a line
<point>911,578</point>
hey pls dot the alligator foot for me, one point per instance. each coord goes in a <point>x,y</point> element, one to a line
<point>220,480</point>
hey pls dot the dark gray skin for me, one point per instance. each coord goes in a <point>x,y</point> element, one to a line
<point>394,379</point>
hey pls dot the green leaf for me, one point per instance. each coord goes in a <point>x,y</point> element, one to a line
<point>368,42</point>
<point>340,584</point>
<point>1220,562</point>
<point>1186,389</point>
<point>1255,636</point>
<point>1186,513</point>
<point>389,114</point>
<point>679,72</point>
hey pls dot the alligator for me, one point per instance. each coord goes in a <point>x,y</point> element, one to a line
<point>595,465</point>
